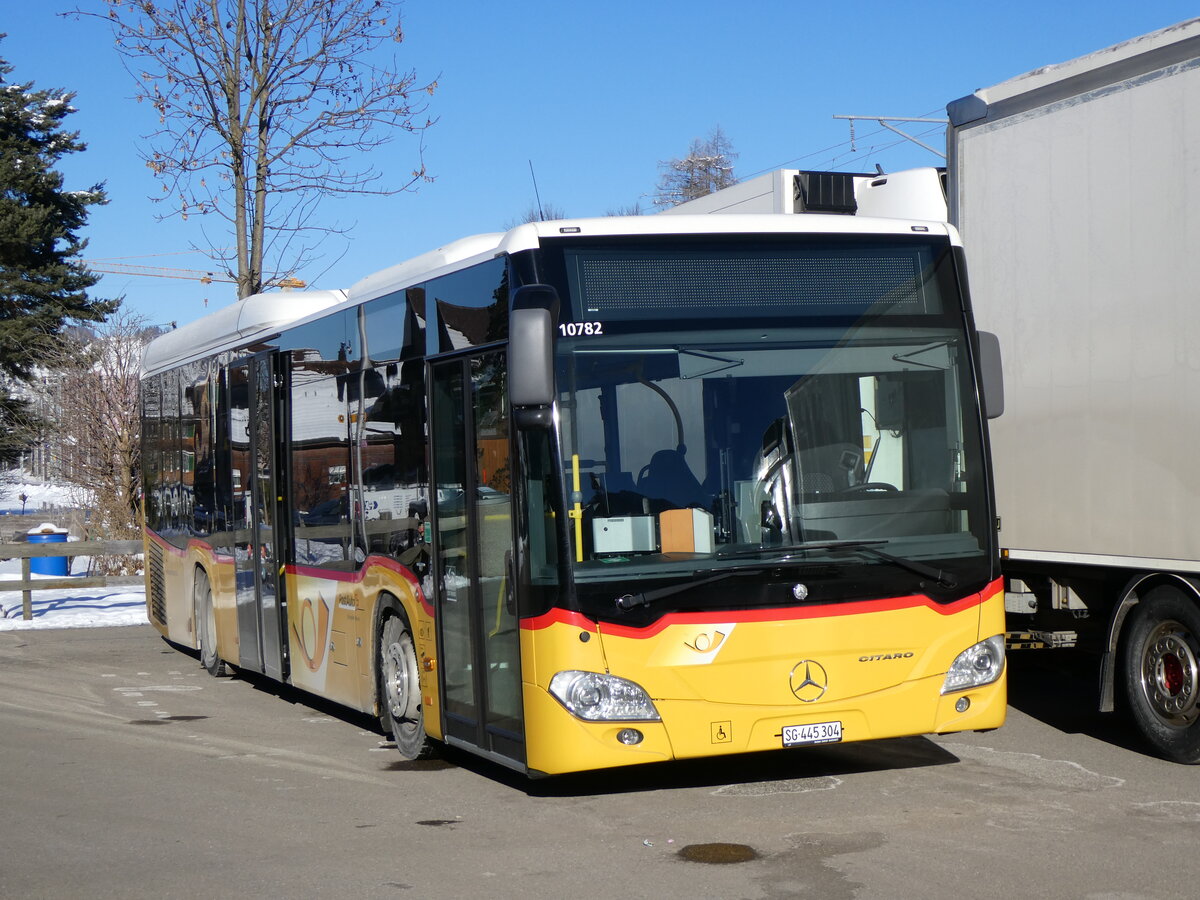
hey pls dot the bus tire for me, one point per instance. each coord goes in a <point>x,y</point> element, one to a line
<point>1161,669</point>
<point>206,625</point>
<point>402,714</point>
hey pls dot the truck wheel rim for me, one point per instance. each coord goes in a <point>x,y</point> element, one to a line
<point>1171,675</point>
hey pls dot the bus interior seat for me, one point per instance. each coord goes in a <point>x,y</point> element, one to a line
<point>668,478</point>
<point>614,494</point>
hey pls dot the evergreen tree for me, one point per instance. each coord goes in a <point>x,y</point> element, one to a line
<point>43,281</point>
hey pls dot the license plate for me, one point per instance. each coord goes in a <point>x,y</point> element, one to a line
<point>816,733</point>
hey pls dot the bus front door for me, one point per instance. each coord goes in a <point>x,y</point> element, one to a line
<point>479,646</point>
<point>253,430</point>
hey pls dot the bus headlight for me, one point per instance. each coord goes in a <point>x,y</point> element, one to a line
<point>976,666</point>
<point>602,698</point>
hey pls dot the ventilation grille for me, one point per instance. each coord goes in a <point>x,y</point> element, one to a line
<point>158,590</point>
<point>826,192</point>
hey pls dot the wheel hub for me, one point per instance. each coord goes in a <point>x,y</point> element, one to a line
<point>1171,675</point>
<point>399,681</point>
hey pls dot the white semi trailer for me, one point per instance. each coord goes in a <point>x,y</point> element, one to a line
<point>1076,188</point>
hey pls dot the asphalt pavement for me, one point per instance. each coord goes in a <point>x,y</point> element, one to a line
<point>126,771</point>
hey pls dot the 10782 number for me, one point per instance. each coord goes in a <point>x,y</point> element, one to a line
<point>578,329</point>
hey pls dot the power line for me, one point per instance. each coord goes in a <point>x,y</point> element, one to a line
<point>849,146</point>
<point>886,121</point>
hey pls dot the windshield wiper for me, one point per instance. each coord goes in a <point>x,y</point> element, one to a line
<point>787,553</point>
<point>796,551</point>
<point>645,598</point>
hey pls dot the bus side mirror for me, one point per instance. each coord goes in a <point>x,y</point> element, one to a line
<point>531,330</point>
<point>991,373</point>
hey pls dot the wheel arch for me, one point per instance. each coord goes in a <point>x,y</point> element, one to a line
<point>1130,596</point>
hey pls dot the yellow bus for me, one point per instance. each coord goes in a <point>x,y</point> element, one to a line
<point>597,492</point>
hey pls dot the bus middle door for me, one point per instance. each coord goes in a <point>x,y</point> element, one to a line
<point>260,617</point>
<point>478,631</point>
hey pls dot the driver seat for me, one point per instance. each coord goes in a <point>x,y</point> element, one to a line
<point>668,478</point>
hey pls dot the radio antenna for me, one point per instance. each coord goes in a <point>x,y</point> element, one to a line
<point>536,195</point>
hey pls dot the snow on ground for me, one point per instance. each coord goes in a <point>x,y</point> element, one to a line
<point>74,608</point>
<point>38,494</point>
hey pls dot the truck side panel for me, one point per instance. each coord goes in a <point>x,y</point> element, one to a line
<point>1082,252</point>
<point>1072,187</point>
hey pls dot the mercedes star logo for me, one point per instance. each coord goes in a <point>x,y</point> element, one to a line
<point>808,681</point>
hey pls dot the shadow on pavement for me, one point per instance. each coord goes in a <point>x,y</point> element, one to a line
<point>1061,688</point>
<point>809,764</point>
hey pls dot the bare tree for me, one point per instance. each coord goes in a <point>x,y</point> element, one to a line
<point>707,167</point>
<point>537,212</point>
<point>630,209</point>
<point>95,411</point>
<point>265,107</point>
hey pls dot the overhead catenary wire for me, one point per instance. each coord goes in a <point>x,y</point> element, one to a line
<point>852,147</point>
<point>886,122</point>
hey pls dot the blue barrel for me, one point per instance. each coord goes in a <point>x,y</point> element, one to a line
<point>48,565</point>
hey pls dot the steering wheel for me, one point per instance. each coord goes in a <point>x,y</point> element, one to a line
<point>871,486</point>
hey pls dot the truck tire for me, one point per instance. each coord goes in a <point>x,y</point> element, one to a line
<point>1161,669</point>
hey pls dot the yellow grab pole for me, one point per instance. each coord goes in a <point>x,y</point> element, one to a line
<point>576,512</point>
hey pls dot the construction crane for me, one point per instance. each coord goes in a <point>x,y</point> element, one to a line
<point>119,268</point>
<point>116,267</point>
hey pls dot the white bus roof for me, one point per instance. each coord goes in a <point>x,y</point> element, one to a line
<point>479,248</point>
<point>262,315</point>
<point>239,323</point>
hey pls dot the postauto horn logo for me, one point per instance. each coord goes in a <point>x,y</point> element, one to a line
<point>808,681</point>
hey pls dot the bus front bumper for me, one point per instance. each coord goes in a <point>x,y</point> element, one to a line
<point>559,742</point>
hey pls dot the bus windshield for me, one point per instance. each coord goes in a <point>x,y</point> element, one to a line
<point>845,446</point>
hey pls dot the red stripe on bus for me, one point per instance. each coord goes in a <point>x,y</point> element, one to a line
<point>310,571</point>
<point>356,577</point>
<point>773,614</point>
<point>558,617</point>
<point>192,544</point>
<point>170,548</point>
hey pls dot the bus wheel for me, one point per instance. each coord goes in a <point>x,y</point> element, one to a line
<point>206,622</point>
<point>1162,672</point>
<point>402,714</point>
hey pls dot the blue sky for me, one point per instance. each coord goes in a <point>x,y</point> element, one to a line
<point>594,95</point>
